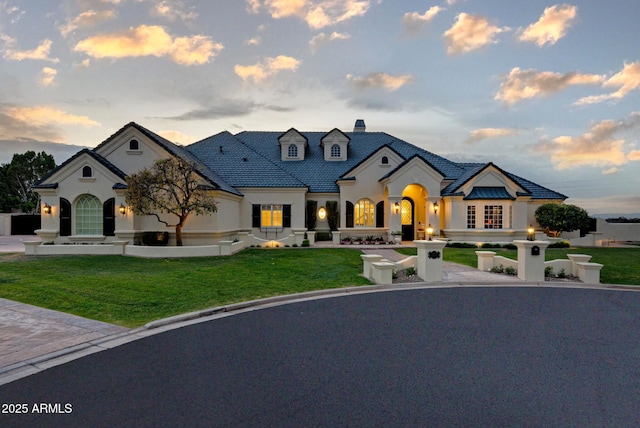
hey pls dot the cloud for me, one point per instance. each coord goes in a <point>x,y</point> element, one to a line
<point>552,25</point>
<point>470,33</point>
<point>173,10</point>
<point>486,133</point>
<point>255,41</point>
<point>86,19</point>
<point>317,14</point>
<point>601,147</point>
<point>41,52</point>
<point>413,22</point>
<point>146,40</point>
<point>267,68</point>
<point>39,123</point>
<point>381,80</point>
<point>177,137</point>
<point>634,155</point>
<point>523,84</point>
<point>225,107</point>
<point>610,171</point>
<point>48,76</point>
<point>322,39</point>
<point>626,81</point>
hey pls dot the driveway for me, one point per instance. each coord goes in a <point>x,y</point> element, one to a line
<point>465,356</point>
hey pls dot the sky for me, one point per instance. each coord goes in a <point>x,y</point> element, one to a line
<point>548,91</point>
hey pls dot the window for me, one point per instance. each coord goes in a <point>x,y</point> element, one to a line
<point>335,151</point>
<point>292,151</point>
<point>87,172</point>
<point>471,217</point>
<point>88,215</point>
<point>406,213</point>
<point>384,160</point>
<point>364,213</point>
<point>134,145</point>
<point>493,216</point>
<point>271,216</point>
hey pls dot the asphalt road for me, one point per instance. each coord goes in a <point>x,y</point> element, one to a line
<point>434,357</point>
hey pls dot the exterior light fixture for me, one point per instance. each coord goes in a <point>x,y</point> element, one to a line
<point>322,213</point>
<point>531,233</point>
<point>46,209</point>
<point>436,207</point>
<point>396,207</point>
<point>122,209</point>
<point>430,231</point>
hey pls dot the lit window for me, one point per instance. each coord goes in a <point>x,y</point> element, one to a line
<point>364,213</point>
<point>87,172</point>
<point>271,216</point>
<point>88,215</point>
<point>493,216</point>
<point>406,213</point>
<point>335,151</point>
<point>292,151</point>
<point>322,213</point>
<point>471,217</point>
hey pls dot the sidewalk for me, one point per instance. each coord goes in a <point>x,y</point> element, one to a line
<point>14,243</point>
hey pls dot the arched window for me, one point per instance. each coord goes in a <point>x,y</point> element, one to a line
<point>335,151</point>
<point>134,145</point>
<point>292,152</point>
<point>384,160</point>
<point>88,215</point>
<point>87,172</point>
<point>365,213</point>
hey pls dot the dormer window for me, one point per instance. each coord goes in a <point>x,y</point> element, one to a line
<point>334,145</point>
<point>292,152</point>
<point>87,172</point>
<point>335,151</point>
<point>292,145</point>
<point>134,145</point>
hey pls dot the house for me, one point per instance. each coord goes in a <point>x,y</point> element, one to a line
<point>272,185</point>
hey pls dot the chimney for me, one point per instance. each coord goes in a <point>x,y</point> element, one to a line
<point>359,126</point>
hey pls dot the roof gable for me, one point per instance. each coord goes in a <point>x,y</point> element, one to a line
<point>66,169</point>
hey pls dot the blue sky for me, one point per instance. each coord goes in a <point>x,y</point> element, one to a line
<point>546,90</point>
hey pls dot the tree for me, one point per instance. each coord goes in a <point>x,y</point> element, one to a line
<point>170,186</point>
<point>21,174</point>
<point>558,218</point>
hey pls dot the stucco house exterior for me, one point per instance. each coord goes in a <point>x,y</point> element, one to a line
<point>371,183</point>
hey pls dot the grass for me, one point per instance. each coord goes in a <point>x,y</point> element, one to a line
<point>130,292</point>
<point>621,265</point>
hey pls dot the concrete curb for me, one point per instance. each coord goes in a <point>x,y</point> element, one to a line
<point>32,366</point>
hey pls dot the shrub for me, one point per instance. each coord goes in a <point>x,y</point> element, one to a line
<point>461,245</point>
<point>510,270</point>
<point>305,243</point>
<point>510,246</point>
<point>411,271</point>
<point>497,269</point>
<point>490,245</point>
<point>548,271</point>
<point>324,236</point>
<point>560,244</point>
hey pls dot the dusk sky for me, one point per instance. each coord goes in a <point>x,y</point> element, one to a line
<point>548,91</point>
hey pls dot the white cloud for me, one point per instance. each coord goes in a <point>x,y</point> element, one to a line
<point>551,26</point>
<point>146,40</point>
<point>316,13</point>
<point>322,39</point>
<point>523,84</point>
<point>255,41</point>
<point>413,22</point>
<point>487,133</point>
<point>602,146</point>
<point>48,76</point>
<point>41,52</point>
<point>173,10</point>
<point>626,81</point>
<point>86,19</point>
<point>267,68</point>
<point>381,80</point>
<point>177,137</point>
<point>470,32</point>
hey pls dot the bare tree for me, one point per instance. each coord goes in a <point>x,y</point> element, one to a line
<point>169,186</point>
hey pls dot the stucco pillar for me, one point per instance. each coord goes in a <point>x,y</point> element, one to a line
<point>433,219</point>
<point>485,260</point>
<point>367,261</point>
<point>430,259</point>
<point>395,218</point>
<point>531,260</point>
<point>575,259</point>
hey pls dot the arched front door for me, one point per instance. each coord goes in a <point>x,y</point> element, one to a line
<point>407,214</point>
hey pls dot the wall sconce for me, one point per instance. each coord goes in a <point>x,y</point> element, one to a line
<point>122,209</point>
<point>430,231</point>
<point>436,207</point>
<point>46,209</point>
<point>531,233</point>
<point>396,207</point>
<point>322,213</point>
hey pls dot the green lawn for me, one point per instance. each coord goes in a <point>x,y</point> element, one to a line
<point>621,265</point>
<point>130,291</point>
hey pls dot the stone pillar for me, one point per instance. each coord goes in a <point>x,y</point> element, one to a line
<point>382,272</point>
<point>31,247</point>
<point>225,248</point>
<point>577,258</point>
<point>430,255</point>
<point>336,237</point>
<point>485,260</point>
<point>367,260</point>
<point>589,273</point>
<point>531,260</point>
<point>119,246</point>
<point>311,236</point>
<point>299,236</point>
